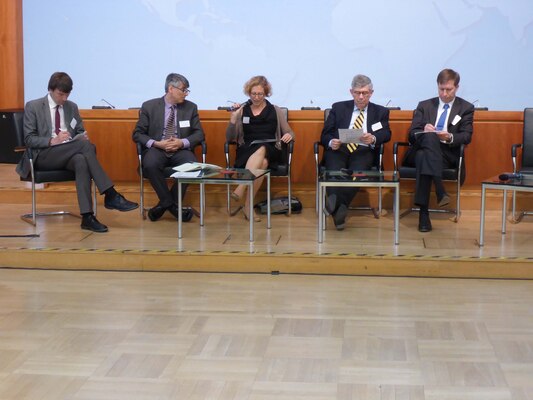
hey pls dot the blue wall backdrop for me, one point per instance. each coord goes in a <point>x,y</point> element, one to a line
<point>122,50</point>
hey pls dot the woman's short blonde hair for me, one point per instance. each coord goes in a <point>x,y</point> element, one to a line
<point>259,80</point>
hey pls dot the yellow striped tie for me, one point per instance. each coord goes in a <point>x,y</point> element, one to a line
<point>358,124</point>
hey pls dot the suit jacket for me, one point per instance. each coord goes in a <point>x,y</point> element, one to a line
<point>426,113</point>
<point>341,114</point>
<point>38,128</point>
<point>151,123</point>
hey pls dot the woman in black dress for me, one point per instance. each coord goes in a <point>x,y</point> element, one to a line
<point>257,120</point>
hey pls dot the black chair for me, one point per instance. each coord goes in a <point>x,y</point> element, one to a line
<point>526,166</point>
<point>167,172</point>
<point>456,175</point>
<point>320,167</point>
<point>43,177</point>
<point>282,170</point>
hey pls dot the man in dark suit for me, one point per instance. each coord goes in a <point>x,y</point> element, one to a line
<point>53,129</point>
<point>440,126</point>
<point>168,128</point>
<point>358,113</point>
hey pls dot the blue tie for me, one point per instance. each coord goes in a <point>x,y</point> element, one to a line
<point>440,123</point>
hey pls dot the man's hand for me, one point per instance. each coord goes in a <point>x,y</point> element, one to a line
<point>335,144</point>
<point>429,128</point>
<point>367,138</point>
<point>174,144</point>
<point>444,136</point>
<point>62,136</point>
<point>169,145</point>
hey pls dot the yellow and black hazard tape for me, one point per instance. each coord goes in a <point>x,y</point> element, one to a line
<point>410,257</point>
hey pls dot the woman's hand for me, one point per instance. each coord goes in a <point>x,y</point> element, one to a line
<point>235,107</point>
<point>286,138</point>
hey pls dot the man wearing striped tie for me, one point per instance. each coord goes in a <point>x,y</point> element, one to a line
<point>356,113</point>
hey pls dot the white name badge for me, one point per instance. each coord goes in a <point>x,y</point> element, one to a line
<point>456,119</point>
<point>245,120</point>
<point>73,123</point>
<point>185,124</point>
<point>377,126</point>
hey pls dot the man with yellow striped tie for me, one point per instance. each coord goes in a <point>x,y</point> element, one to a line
<point>358,113</point>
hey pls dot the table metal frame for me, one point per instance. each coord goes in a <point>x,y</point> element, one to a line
<point>322,185</point>
<point>503,187</point>
<point>227,180</point>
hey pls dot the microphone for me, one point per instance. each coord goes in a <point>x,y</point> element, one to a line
<point>508,176</point>
<point>391,107</point>
<point>478,107</point>
<point>247,102</point>
<point>108,103</point>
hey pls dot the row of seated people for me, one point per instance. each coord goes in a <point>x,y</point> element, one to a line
<point>169,128</point>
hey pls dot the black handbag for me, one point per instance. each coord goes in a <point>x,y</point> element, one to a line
<point>280,205</point>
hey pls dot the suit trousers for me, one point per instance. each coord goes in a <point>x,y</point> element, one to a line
<point>427,157</point>
<point>362,159</point>
<point>78,156</point>
<point>154,163</point>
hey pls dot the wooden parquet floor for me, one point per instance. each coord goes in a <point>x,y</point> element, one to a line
<point>91,335</point>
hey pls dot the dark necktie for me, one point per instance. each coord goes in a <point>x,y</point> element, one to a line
<point>358,124</point>
<point>57,121</point>
<point>170,128</point>
<point>442,118</point>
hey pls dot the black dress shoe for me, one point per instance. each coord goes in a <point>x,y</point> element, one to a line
<point>424,223</point>
<point>119,202</point>
<point>186,213</point>
<point>444,200</point>
<point>156,212</point>
<point>339,218</point>
<point>90,223</point>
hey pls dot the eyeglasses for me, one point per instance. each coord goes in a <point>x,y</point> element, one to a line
<point>184,91</point>
<point>253,94</point>
<point>358,93</point>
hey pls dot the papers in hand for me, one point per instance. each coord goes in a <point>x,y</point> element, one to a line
<point>259,141</point>
<point>351,136</point>
<point>79,136</point>
<point>194,170</point>
<point>422,132</point>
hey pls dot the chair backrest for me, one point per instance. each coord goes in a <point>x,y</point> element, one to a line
<point>527,144</point>
<point>12,133</point>
<point>284,147</point>
<point>18,125</point>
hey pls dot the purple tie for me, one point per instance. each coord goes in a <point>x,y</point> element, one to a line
<point>57,121</point>
<point>170,128</point>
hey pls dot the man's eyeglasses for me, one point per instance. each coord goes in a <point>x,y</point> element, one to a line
<point>358,93</point>
<point>184,91</point>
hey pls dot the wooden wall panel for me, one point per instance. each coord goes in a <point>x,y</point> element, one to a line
<point>489,153</point>
<point>11,50</point>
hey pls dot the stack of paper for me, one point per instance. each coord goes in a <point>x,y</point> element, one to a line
<point>194,169</point>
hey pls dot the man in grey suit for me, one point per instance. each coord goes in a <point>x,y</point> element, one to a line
<point>168,129</point>
<point>53,129</point>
